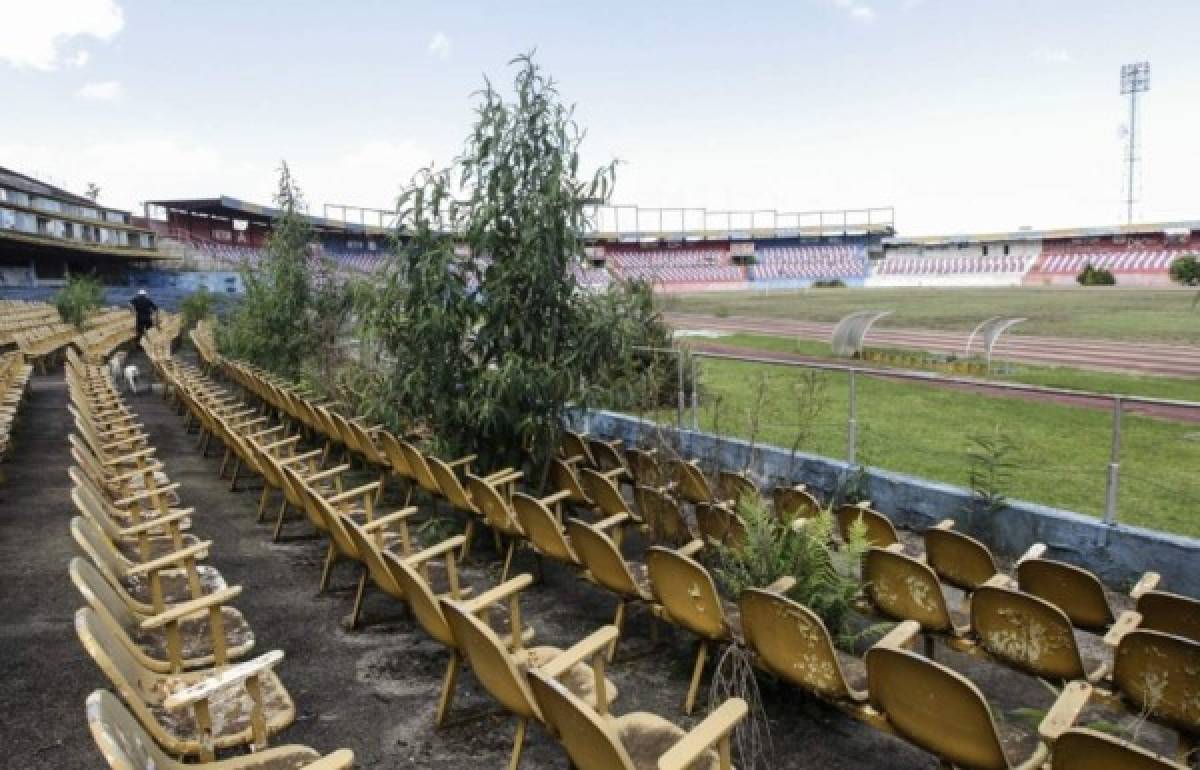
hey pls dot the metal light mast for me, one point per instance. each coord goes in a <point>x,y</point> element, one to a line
<point>1135,79</point>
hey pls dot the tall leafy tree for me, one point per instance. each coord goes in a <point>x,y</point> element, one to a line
<point>274,325</point>
<point>492,340</point>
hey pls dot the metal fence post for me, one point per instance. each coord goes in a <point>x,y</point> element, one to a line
<point>695,397</point>
<point>1114,465</point>
<point>679,412</point>
<point>852,422</point>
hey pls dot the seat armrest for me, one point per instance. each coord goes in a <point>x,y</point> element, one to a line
<point>900,637</point>
<point>434,551</point>
<point>294,458</point>
<point>153,465</point>
<point>1148,582</point>
<point>615,520</point>
<point>179,611</point>
<point>350,494</point>
<point>597,642</point>
<point>198,550</point>
<point>146,494</point>
<point>1065,711</point>
<point>692,548</point>
<point>265,432</point>
<point>329,472</point>
<point>550,500</point>
<point>945,524</point>
<point>1036,551</point>
<point>342,759</point>
<point>715,729</point>
<point>391,518</point>
<point>139,454</point>
<point>491,477</point>
<point>499,593</point>
<point>782,585</point>
<point>1128,621</point>
<point>222,679</point>
<point>282,443</point>
<point>149,525</point>
<point>462,461</point>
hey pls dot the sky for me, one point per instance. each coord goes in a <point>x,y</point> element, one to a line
<point>965,115</point>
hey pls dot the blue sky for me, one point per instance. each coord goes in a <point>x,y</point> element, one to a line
<point>965,116</point>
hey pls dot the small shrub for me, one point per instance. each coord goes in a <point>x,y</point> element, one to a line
<point>722,311</point>
<point>833,283</point>
<point>825,579</point>
<point>989,468</point>
<point>197,306</point>
<point>81,296</point>
<point>1095,276</point>
<point>1185,271</point>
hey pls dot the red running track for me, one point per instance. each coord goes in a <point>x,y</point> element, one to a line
<point>1108,355</point>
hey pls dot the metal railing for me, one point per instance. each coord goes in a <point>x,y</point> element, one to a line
<point>853,371</point>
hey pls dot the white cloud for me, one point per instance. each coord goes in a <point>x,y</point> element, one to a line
<point>81,59</point>
<point>1052,55</point>
<point>856,10</point>
<point>103,91</point>
<point>439,45</point>
<point>32,34</point>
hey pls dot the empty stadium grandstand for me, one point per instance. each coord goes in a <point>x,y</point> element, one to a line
<point>785,262</point>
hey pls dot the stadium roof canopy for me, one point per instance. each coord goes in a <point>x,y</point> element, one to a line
<point>1148,228</point>
<point>226,207</point>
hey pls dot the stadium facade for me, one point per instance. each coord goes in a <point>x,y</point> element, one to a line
<point>181,244</point>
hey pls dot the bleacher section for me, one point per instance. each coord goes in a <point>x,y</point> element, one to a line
<point>953,264</point>
<point>592,278</point>
<point>686,268</point>
<point>797,263</point>
<point>1135,261</point>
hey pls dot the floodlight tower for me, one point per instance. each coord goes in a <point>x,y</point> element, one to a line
<point>1135,79</point>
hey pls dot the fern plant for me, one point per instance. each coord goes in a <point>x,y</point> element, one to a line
<point>826,579</point>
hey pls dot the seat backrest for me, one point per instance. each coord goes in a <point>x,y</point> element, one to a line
<point>421,599</point>
<point>575,445</point>
<point>562,477</point>
<point>370,554</point>
<point>395,455</point>
<point>904,588</point>
<point>111,654</point>
<point>98,548</point>
<point>447,481</point>
<point>605,456</point>
<point>361,441</point>
<point>1082,749</point>
<point>1158,674</point>
<point>543,529</point>
<point>794,503</point>
<point>792,642</point>
<point>419,468</point>
<point>934,707</point>
<point>1072,589</point>
<point>1026,632</point>
<point>495,509</point>
<point>661,512</point>
<point>732,485</point>
<point>645,467</point>
<point>716,522</point>
<point>1170,613</point>
<point>491,662</point>
<point>687,593</point>
<point>692,485</point>
<point>590,741</point>
<point>601,557</point>
<point>879,530</point>
<point>603,492</point>
<point>958,559</point>
<point>99,594</point>
<point>124,743</point>
<point>311,503</point>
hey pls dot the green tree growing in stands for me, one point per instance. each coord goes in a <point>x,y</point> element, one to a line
<point>78,299</point>
<point>197,306</point>
<point>491,338</point>
<point>1185,270</point>
<point>273,325</point>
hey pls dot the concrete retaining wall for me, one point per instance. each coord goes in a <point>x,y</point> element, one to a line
<point>1117,554</point>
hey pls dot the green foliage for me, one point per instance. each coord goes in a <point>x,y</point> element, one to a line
<point>490,339</point>
<point>833,283</point>
<point>197,306</point>
<point>825,578</point>
<point>1095,276</point>
<point>1185,270</point>
<point>990,468</point>
<point>78,299</point>
<point>292,311</point>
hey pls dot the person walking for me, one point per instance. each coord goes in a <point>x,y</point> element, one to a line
<point>144,309</point>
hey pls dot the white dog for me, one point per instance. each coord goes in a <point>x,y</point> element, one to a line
<point>116,366</point>
<point>131,378</point>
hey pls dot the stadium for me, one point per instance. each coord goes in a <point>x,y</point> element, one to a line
<point>504,470</point>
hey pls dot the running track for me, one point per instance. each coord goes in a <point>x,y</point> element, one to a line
<point>1144,358</point>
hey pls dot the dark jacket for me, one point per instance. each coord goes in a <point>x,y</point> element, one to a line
<point>144,307</point>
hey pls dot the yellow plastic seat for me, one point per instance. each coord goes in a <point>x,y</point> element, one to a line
<point>636,741</point>
<point>664,520</point>
<point>794,502</point>
<point>601,556</point>
<point>958,559</point>
<point>879,529</point>
<point>1083,749</point>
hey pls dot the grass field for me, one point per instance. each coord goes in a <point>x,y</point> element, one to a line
<point>1161,315</point>
<point>1052,376</point>
<point>1061,456</point>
